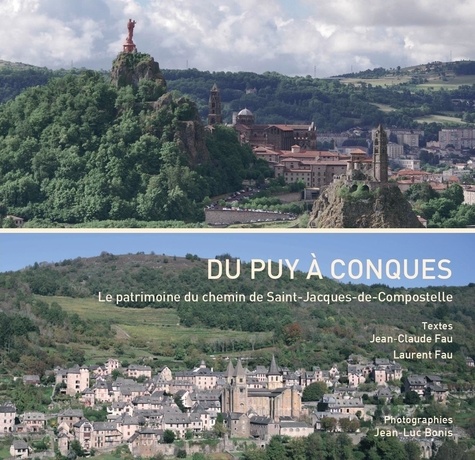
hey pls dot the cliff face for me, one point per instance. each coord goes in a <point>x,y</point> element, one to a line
<point>356,206</point>
<point>131,68</point>
<point>187,132</point>
<point>186,129</point>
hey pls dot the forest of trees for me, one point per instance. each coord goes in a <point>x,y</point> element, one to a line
<point>79,149</point>
<point>332,105</point>
<point>330,446</point>
<point>443,210</point>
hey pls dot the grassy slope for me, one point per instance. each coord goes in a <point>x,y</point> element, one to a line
<point>146,327</point>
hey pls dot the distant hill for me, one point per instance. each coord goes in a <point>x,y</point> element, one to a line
<point>433,75</point>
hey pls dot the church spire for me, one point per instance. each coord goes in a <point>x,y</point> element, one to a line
<point>273,369</point>
<point>230,371</point>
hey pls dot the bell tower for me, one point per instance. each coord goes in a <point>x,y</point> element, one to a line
<point>214,106</point>
<point>380,155</point>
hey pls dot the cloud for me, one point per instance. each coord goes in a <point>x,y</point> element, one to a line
<point>289,36</point>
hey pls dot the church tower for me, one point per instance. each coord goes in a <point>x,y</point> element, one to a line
<point>274,377</point>
<point>239,391</point>
<point>214,106</point>
<point>380,155</point>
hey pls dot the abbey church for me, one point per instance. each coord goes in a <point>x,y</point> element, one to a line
<point>267,395</point>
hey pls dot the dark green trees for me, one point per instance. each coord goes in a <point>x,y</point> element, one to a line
<point>80,149</point>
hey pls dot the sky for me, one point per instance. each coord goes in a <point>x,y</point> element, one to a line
<point>293,37</point>
<point>19,250</point>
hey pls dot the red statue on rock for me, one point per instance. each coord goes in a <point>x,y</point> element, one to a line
<point>129,45</point>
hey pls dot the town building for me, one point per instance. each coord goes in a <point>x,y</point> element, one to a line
<point>276,136</point>
<point>7,417</point>
<point>459,138</point>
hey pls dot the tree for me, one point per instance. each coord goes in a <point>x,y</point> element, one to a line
<point>421,191</point>
<point>168,436</point>
<point>412,397</point>
<point>329,424</point>
<point>349,426</point>
<point>454,193</point>
<point>413,451</point>
<point>276,448</point>
<point>314,391</point>
<point>219,428</point>
<point>76,447</point>
<point>292,333</point>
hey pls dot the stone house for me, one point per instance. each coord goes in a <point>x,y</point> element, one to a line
<point>106,435</point>
<point>238,425</point>
<point>20,449</point>
<point>136,370</point>
<point>263,427</point>
<point>7,417</point>
<point>145,443</point>
<point>69,417</point>
<point>32,422</point>
<point>83,432</point>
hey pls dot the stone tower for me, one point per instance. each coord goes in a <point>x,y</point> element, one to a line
<point>214,112</point>
<point>239,392</point>
<point>380,155</point>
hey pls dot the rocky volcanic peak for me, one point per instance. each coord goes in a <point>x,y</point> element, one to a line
<point>344,205</point>
<point>131,68</point>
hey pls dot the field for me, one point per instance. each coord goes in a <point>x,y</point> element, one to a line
<point>144,328</point>
<point>451,82</point>
<point>440,119</point>
<point>384,107</point>
<point>384,81</point>
<point>434,81</point>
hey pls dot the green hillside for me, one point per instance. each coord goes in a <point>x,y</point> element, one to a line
<point>81,149</point>
<point>62,306</point>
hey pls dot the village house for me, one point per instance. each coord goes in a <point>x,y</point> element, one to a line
<point>20,449</point>
<point>344,405</point>
<point>75,379</point>
<point>318,419</point>
<point>263,427</point>
<point>180,423</point>
<point>238,424</point>
<point>111,365</point>
<point>415,383</point>
<point>469,195</point>
<point>145,442</point>
<point>69,417</point>
<point>32,422</point>
<point>106,435</point>
<point>83,433</point>
<point>7,417</point>
<point>201,377</point>
<point>31,379</point>
<point>136,370</point>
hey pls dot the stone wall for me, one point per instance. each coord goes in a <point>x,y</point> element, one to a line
<point>224,217</point>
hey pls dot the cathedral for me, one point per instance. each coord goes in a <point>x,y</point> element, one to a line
<point>267,396</point>
<point>276,136</point>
